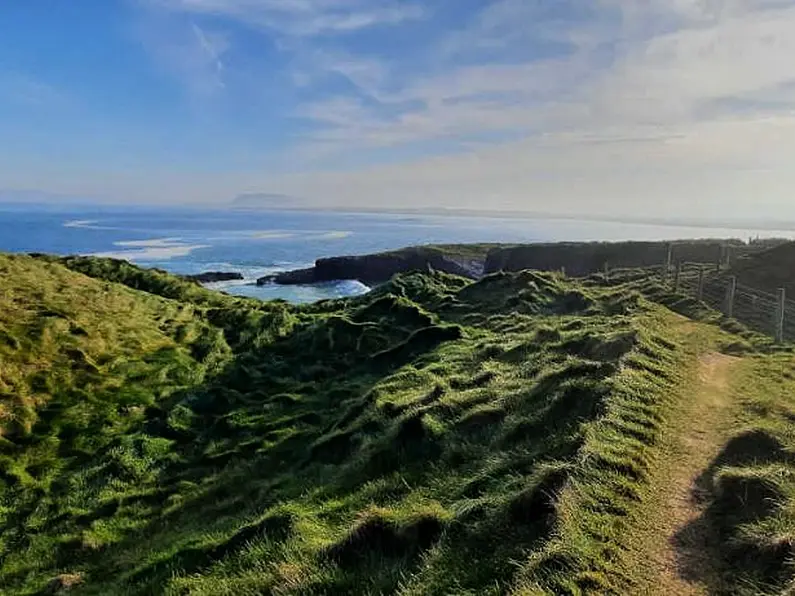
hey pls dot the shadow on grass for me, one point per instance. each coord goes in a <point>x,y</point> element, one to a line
<point>738,490</point>
<point>253,435</point>
<point>278,444</point>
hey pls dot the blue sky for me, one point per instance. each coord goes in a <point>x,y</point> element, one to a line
<point>659,107</point>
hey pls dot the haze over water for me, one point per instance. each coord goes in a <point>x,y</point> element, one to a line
<point>255,243</point>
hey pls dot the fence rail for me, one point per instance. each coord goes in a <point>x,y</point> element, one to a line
<point>767,312</point>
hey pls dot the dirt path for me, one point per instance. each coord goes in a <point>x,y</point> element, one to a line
<point>681,560</point>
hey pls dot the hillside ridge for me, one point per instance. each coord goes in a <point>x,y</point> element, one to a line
<point>577,259</point>
<point>158,437</point>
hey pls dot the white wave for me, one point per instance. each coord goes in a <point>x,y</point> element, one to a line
<point>80,223</point>
<point>335,235</point>
<point>271,235</point>
<point>157,249</point>
<point>250,274</point>
<point>88,224</point>
<point>351,287</point>
<point>154,243</point>
<point>285,234</point>
<point>301,293</point>
<point>229,283</point>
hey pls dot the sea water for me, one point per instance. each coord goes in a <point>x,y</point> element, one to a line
<point>256,243</point>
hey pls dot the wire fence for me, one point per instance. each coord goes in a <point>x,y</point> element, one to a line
<point>769,313</point>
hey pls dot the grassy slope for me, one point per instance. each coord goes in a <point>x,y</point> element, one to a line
<point>373,445</point>
<point>740,542</point>
<point>747,490</point>
<point>768,270</point>
<point>80,363</point>
<point>751,482</point>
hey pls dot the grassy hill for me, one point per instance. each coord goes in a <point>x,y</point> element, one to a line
<point>768,270</point>
<point>437,436</point>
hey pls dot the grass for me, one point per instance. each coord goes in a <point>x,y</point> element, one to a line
<point>748,488</point>
<point>767,270</point>
<point>751,483</point>
<point>437,436</point>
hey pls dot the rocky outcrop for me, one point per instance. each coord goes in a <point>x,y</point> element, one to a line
<point>372,269</point>
<point>474,261</point>
<point>213,276</point>
<point>290,278</point>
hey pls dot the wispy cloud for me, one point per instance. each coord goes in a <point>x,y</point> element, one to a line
<point>194,54</point>
<point>28,91</point>
<point>306,33</point>
<point>213,48</point>
<point>300,17</point>
<point>473,83</point>
<point>661,101</point>
<point>578,106</point>
<point>617,70</point>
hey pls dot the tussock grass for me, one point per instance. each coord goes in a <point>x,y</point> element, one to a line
<point>751,483</point>
<point>437,436</point>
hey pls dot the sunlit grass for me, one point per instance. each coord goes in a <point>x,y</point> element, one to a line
<point>437,436</point>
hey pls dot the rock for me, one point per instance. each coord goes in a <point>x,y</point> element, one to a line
<point>213,276</point>
<point>576,258</point>
<point>296,277</point>
<point>372,269</point>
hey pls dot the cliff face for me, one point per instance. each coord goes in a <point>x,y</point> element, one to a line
<point>374,269</point>
<point>290,278</point>
<point>381,267</point>
<point>473,261</point>
<point>214,276</point>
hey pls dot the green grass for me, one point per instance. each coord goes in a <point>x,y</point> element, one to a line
<point>749,487</point>
<point>437,436</point>
<point>751,483</point>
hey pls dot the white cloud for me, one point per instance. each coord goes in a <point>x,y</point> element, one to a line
<point>663,107</point>
<point>690,170</point>
<point>676,75</point>
<point>193,54</point>
<point>667,78</point>
<point>300,17</point>
<point>310,67</point>
<point>213,48</point>
<point>304,33</point>
<point>655,107</point>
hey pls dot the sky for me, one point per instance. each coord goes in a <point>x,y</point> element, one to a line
<point>663,108</point>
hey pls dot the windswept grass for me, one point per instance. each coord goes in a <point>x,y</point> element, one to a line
<point>751,484</point>
<point>437,436</point>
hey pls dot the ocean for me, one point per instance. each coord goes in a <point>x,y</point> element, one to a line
<point>255,243</point>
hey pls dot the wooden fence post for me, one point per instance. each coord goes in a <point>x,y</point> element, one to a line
<point>782,303</point>
<point>668,261</point>
<point>730,292</point>
<point>701,283</point>
<point>677,276</point>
